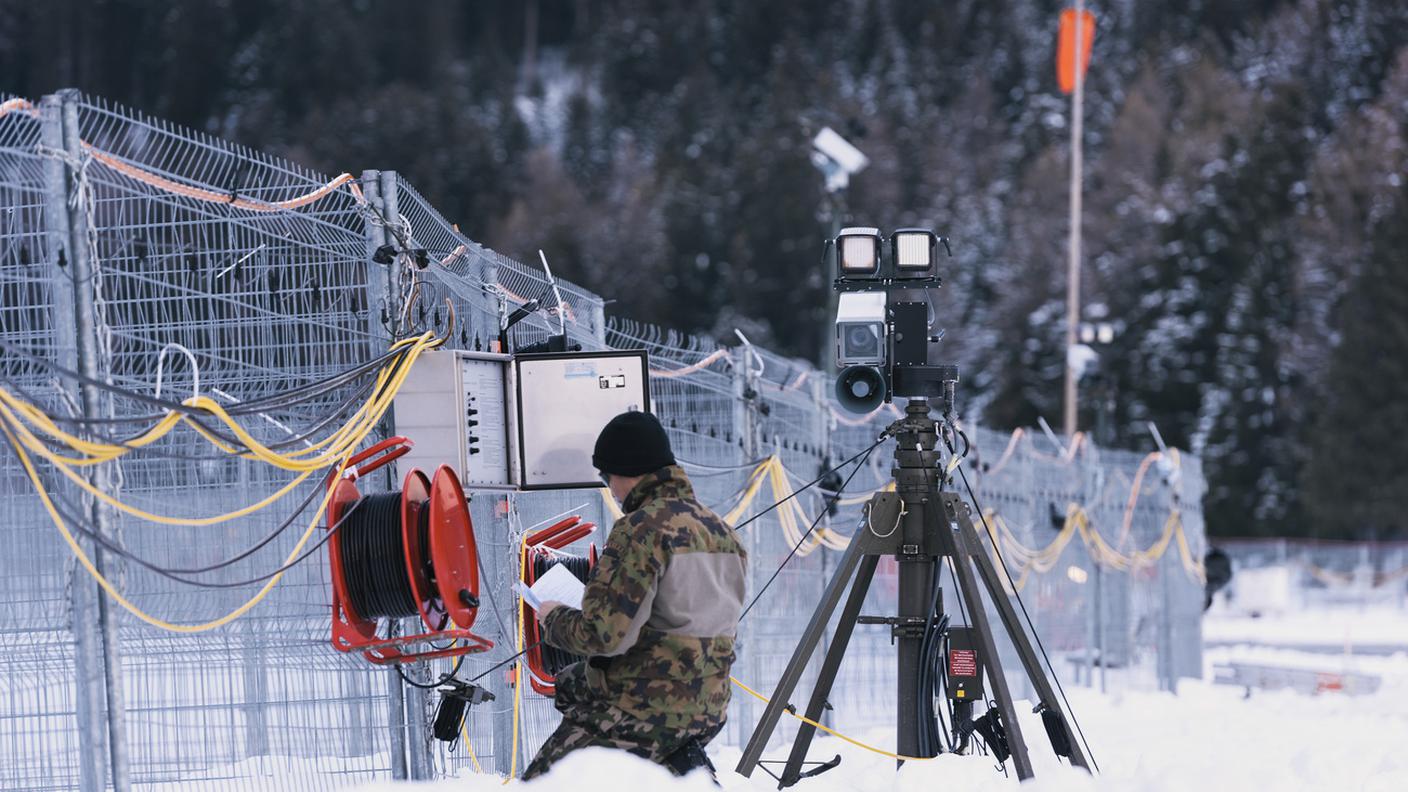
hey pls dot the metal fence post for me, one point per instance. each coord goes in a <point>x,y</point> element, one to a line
<point>1167,671</point>
<point>83,596</point>
<point>746,425</point>
<point>1099,574</point>
<point>821,425</point>
<point>90,353</point>
<point>497,683</point>
<point>256,690</point>
<point>378,317</point>
<point>417,699</point>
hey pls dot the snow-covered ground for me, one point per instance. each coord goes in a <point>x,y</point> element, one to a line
<point>1341,630</point>
<point>1207,738</point>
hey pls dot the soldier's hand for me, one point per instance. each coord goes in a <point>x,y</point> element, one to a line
<point>547,608</point>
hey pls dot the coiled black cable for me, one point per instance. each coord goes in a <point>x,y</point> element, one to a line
<point>373,556</point>
<point>935,631</point>
<point>555,659</point>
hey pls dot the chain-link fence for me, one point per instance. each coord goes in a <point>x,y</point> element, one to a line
<point>166,262</point>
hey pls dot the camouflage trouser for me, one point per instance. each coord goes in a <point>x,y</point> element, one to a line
<point>586,723</point>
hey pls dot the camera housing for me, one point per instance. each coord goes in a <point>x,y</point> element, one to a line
<point>861,337</point>
<point>884,337</point>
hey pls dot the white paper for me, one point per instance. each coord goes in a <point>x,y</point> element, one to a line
<point>527,594</point>
<point>556,585</point>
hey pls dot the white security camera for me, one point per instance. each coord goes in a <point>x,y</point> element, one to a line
<point>840,151</point>
<point>860,329</point>
<point>837,159</point>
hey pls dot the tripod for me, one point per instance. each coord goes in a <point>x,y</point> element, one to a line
<point>921,526</point>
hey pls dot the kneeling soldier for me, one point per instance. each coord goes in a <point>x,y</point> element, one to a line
<point>658,616</point>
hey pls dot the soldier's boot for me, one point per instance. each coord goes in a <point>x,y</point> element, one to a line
<point>691,756</point>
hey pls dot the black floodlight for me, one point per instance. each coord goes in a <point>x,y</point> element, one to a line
<point>915,252</point>
<point>858,252</point>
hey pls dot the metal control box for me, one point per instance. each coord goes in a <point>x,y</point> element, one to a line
<point>516,422</point>
<point>564,399</point>
<point>454,408</point>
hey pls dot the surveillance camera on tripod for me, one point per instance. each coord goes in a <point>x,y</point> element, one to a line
<point>885,341</point>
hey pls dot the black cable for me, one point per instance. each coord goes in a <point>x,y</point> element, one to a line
<point>814,524</point>
<point>933,628</point>
<point>555,659</point>
<point>261,405</point>
<point>197,416</point>
<point>814,482</point>
<point>525,650</point>
<point>963,613</point>
<point>373,558</point>
<point>1002,563</point>
<point>290,397</point>
<point>116,549</point>
<point>66,511</point>
<point>152,451</point>
<point>312,494</point>
<point>448,676</point>
<point>415,684</point>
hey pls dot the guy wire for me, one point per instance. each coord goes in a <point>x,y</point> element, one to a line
<point>832,499</point>
<point>814,482</point>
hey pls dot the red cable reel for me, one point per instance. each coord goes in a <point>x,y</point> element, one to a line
<point>540,545</point>
<point>402,554</point>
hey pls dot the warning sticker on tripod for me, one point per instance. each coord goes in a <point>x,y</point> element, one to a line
<point>963,663</point>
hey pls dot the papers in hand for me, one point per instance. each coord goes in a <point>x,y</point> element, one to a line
<point>556,585</point>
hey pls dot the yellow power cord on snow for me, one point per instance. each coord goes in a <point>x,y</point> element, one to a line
<point>831,731</point>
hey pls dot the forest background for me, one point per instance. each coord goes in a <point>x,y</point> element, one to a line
<point>1246,212</point>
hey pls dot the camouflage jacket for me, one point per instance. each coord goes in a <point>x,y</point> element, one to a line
<point>662,604</point>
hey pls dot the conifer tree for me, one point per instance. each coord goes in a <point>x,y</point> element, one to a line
<point>1357,476</point>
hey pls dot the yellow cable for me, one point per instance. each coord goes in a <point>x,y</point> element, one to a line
<point>122,506</point>
<point>123,601</point>
<point>518,677</point>
<point>464,736</point>
<point>369,412</point>
<point>755,482</point>
<point>374,409</point>
<point>831,731</point>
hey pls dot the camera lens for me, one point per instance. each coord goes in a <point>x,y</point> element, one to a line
<point>862,341</point>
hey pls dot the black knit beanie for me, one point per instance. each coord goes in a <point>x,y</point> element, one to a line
<point>632,444</point>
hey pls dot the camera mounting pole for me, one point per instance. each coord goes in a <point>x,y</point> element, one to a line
<point>922,526</point>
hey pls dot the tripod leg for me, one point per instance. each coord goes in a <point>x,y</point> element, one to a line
<point>829,667</point>
<point>982,628</point>
<point>883,510</point>
<point>1030,661</point>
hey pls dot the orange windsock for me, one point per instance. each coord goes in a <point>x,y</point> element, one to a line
<point>1066,48</point>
